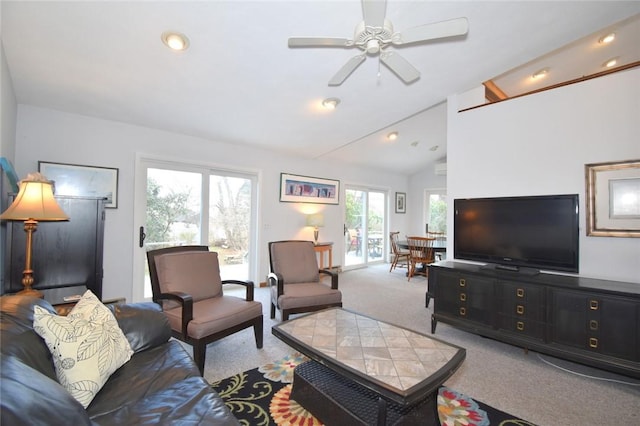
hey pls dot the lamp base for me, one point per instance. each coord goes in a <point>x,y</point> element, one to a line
<point>316,234</point>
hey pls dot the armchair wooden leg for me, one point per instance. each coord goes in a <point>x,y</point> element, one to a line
<point>199,352</point>
<point>273,310</point>
<point>285,315</point>
<point>257,332</point>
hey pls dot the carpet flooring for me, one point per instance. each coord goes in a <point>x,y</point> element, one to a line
<point>542,389</point>
<point>260,396</point>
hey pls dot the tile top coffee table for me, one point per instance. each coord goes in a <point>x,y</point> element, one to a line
<point>403,367</point>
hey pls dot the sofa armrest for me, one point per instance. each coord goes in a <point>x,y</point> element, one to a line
<point>144,324</point>
<point>28,397</point>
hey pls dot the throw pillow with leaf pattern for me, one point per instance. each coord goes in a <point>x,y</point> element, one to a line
<point>87,346</point>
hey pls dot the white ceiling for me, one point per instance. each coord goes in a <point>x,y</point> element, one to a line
<point>240,83</point>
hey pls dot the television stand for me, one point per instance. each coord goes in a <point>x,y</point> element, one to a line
<point>591,321</point>
<point>511,268</point>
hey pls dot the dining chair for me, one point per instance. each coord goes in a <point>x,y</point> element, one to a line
<point>439,236</point>
<point>295,280</point>
<point>400,256</point>
<point>186,283</point>
<point>420,252</point>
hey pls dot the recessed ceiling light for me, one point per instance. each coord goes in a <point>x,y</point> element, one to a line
<point>330,103</point>
<point>434,148</point>
<point>541,73</point>
<point>610,63</point>
<point>174,40</point>
<point>392,136</point>
<point>607,39</point>
<point>414,143</point>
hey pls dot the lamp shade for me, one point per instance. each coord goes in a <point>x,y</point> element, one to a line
<point>35,201</point>
<point>316,220</point>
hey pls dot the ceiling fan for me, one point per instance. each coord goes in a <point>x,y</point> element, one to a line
<point>375,33</point>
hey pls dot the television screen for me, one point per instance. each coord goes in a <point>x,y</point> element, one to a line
<point>539,232</point>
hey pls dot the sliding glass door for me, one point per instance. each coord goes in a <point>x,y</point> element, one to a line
<point>187,204</point>
<point>364,229</point>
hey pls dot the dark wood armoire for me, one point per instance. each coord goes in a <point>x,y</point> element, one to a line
<point>67,256</point>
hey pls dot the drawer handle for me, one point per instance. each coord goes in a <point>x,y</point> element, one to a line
<point>520,292</point>
<point>593,325</point>
<point>520,309</point>
<point>463,297</point>
<point>463,311</point>
<point>520,326</point>
<point>593,305</point>
<point>593,342</point>
<point>463,282</point>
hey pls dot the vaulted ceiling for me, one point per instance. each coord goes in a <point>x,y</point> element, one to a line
<point>239,82</point>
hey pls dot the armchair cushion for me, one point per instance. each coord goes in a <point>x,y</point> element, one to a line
<point>201,268</point>
<point>87,346</point>
<point>296,265</point>
<point>213,315</point>
<point>306,294</point>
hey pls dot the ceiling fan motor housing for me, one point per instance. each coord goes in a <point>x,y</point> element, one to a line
<point>372,39</point>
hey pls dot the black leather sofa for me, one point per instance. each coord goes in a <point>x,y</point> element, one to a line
<point>160,384</point>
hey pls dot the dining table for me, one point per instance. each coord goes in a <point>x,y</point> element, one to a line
<point>439,245</point>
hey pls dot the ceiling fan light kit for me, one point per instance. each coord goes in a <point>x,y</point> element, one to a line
<point>375,33</point>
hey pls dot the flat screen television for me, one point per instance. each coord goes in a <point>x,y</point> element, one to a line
<point>534,232</point>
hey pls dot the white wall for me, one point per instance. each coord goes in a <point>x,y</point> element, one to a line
<point>50,135</point>
<point>539,144</point>
<point>9,108</point>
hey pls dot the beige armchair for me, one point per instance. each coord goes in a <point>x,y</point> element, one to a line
<point>186,282</point>
<point>295,282</point>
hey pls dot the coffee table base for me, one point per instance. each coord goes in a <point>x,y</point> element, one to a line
<point>335,400</point>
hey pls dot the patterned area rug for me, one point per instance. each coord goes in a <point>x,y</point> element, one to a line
<point>261,397</point>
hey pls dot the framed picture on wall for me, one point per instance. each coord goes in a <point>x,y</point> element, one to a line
<point>89,181</point>
<point>401,202</point>
<point>613,199</point>
<point>306,189</point>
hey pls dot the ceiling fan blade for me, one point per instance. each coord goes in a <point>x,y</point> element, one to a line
<point>450,28</point>
<point>374,12</point>
<point>403,69</point>
<point>346,70</point>
<point>319,42</point>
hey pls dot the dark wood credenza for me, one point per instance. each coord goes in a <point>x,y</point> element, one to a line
<point>67,256</point>
<point>591,321</point>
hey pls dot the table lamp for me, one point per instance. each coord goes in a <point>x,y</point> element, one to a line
<point>316,220</point>
<point>34,202</point>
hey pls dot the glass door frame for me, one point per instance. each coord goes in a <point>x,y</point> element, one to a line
<point>426,213</point>
<point>143,162</point>
<point>364,235</point>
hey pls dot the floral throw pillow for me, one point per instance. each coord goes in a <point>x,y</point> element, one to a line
<point>87,346</point>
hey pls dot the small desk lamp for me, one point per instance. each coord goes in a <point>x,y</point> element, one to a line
<point>34,202</point>
<point>317,221</point>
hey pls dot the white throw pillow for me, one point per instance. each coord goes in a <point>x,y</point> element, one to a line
<point>87,346</point>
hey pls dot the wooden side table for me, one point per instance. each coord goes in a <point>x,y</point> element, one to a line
<point>322,248</point>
